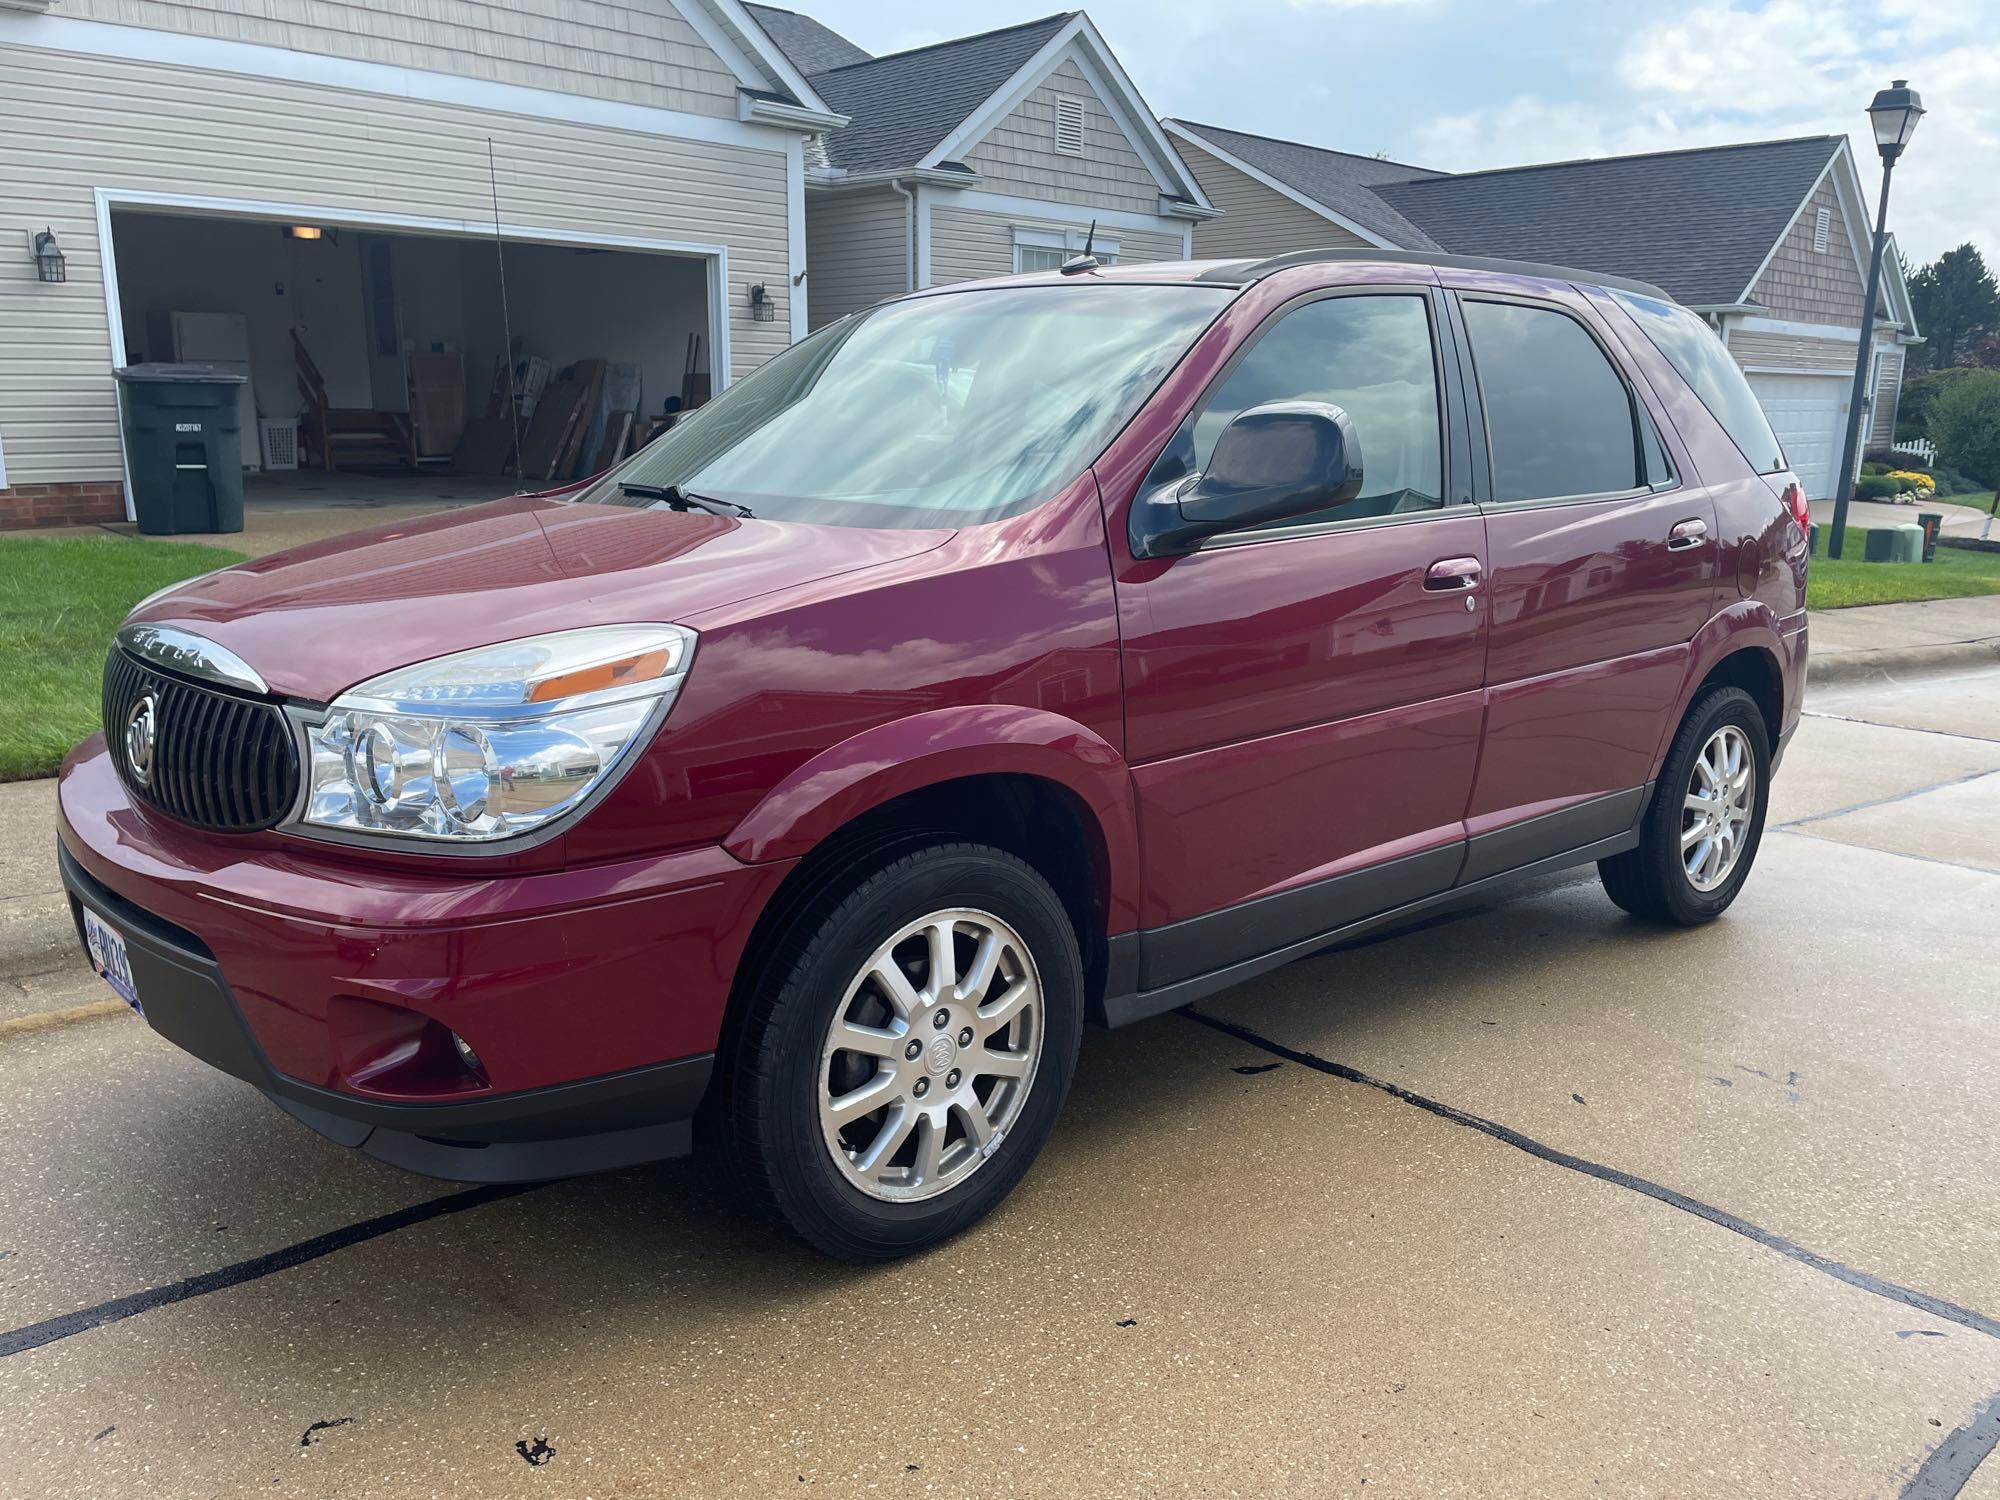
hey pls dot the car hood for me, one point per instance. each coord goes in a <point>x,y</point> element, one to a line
<point>316,620</point>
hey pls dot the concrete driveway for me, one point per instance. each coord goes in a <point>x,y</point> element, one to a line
<point>1529,1201</point>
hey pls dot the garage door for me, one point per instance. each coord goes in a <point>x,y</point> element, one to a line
<point>1808,413</point>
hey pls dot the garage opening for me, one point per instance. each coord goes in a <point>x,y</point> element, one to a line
<point>381,368</point>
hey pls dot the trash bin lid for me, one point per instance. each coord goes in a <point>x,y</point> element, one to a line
<point>186,374</point>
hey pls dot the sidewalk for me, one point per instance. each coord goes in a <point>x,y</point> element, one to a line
<point>1934,635</point>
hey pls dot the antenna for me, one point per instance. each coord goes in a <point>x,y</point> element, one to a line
<point>506,318</point>
<point>1076,265</point>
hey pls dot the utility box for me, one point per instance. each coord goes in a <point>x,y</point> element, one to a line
<point>1933,522</point>
<point>1881,545</point>
<point>184,446</point>
<point>1909,542</point>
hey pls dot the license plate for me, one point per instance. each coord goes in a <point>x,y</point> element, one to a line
<point>107,956</point>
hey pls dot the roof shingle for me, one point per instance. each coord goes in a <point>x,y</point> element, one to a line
<point>1335,179</point>
<point>1697,222</point>
<point>901,106</point>
<point>808,46</point>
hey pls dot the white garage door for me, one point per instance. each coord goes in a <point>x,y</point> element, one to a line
<point>1808,413</point>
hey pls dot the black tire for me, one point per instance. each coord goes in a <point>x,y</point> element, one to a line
<point>1650,881</point>
<point>778,1154</point>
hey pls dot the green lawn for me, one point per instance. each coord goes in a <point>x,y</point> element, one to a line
<point>1952,574</point>
<point>60,600</point>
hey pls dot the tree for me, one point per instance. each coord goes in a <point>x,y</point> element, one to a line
<point>1965,425</point>
<point>1956,301</point>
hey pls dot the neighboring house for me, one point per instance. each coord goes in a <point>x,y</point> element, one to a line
<point>1756,237</point>
<point>648,160</point>
<point>980,156</point>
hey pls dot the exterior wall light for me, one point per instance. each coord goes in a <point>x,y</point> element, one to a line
<point>762,308</point>
<point>49,263</point>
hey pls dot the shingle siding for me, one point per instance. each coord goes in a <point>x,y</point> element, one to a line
<point>1019,155</point>
<point>1255,220</point>
<point>641,53</point>
<point>1808,286</point>
<point>858,246</point>
<point>1790,351</point>
<point>967,244</point>
<point>76,123</point>
<point>1888,393</point>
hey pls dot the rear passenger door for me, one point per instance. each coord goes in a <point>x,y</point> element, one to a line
<point>1601,547</point>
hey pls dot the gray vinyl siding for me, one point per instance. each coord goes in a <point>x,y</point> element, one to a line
<point>640,53</point>
<point>1019,155</point>
<point>1790,351</point>
<point>1808,286</point>
<point>1888,392</point>
<point>858,248</point>
<point>75,123</point>
<point>967,244</point>
<point>1255,220</point>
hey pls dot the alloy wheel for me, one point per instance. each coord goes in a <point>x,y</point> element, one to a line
<point>1716,810</point>
<point>930,1055</point>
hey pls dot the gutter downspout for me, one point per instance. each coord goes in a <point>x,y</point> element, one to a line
<point>909,231</point>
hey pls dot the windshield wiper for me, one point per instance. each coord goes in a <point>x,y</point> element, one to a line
<point>679,499</point>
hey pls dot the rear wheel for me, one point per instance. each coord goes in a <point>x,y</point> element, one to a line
<point>912,1055</point>
<point>1700,833</point>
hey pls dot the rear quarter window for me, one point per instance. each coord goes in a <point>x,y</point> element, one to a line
<point>1693,349</point>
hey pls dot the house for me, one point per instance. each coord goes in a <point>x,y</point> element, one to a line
<point>348,174</point>
<point>1767,239</point>
<point>980,156</point>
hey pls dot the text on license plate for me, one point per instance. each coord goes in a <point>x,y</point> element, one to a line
<point>107,956</point>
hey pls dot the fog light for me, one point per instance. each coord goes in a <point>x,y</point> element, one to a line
<point>466,1055</point>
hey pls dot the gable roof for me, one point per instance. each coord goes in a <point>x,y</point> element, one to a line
<point>1699,222</point>
<point>812,47</point>
<point>906,103</point>
<point>1335,180</point>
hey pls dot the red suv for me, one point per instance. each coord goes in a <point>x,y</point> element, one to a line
<point>1009,655</point>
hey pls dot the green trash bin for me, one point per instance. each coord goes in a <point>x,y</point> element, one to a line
<point>1881,544</point>
<point>185,448</point>
<point>1933,522</point>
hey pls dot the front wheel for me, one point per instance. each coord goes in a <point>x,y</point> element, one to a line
<point>911,1060</point>
<point>1700,833</point>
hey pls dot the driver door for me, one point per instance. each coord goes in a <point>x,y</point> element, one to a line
<point>1303,701</point>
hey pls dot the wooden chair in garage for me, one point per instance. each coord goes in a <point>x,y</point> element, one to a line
<point>333,432</point>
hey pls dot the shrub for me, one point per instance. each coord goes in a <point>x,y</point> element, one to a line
<point>1905,479</point>
<point>1951,482</point>
<point>1964,422</point>
<point>1903,458</point>
<point>1876,487</point>
<point>1919,396</point>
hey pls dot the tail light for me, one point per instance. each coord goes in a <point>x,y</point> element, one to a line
<point>1795,502</point>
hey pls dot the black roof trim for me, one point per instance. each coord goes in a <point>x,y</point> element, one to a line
<point>1244,272</point>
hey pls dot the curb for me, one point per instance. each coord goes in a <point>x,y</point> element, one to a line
<point>1845,667</point>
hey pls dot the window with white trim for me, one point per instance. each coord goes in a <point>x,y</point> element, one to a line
<point>1822,230</point>
<point>1069,125</point>
<point>1047,249</point>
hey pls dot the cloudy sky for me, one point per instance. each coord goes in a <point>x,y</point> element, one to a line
<point>1462,84</point>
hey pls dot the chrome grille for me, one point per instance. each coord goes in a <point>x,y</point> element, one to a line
<point>220,759</point>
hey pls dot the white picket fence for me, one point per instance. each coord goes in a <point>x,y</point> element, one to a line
<point>1924,448</point>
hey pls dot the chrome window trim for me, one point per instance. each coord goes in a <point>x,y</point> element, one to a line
<point>182,651</point>
<point>1322,528</point>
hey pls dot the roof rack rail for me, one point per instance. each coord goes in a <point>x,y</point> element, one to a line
<point>1243,272</point>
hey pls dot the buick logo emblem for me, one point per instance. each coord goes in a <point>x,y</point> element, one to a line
<point>941,1053</point>
<point>141,729</point>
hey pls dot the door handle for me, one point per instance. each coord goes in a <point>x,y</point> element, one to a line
<point>1688,534</point>
<point>1453,574</point>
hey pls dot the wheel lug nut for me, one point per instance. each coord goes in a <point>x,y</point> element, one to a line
<point>914,1051</point>
<point>965,1037</point>
<point>941,1019</point>
<point>951,1079</point>
<point>921,1087</point>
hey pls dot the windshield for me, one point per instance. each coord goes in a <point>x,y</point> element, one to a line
<point>938,411</point>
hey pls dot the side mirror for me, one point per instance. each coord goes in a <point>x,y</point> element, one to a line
<point>1281,459</point>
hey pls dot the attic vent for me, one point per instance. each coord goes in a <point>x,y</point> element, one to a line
<point>1069,126</point>
<point>1822,230</point>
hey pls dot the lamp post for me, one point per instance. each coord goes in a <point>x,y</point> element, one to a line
<point>1894,114</point>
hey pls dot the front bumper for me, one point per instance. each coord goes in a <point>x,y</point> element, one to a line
<point>594,998</point>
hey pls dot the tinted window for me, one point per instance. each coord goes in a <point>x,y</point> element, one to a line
<point>1692,347</point>
<point>1370,356</point>
<point>1558,416</point>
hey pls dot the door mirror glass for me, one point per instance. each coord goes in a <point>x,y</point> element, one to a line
<point>1273,462</point>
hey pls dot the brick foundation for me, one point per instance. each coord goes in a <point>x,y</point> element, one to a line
<point>84,503</point>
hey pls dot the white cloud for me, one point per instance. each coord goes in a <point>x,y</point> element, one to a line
<point>1733,72</point>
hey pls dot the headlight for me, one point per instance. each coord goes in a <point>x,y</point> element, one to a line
<point>492,743</point>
